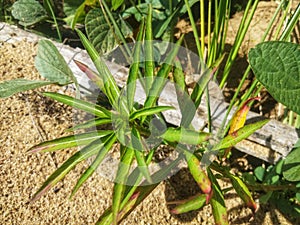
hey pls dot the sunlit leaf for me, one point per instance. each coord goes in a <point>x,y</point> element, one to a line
<point>149,111</point>
<point>11,87</point>
<point>80,104</point>
<point>69,141</point>
<point>194,203</point>
<point>51,64</point>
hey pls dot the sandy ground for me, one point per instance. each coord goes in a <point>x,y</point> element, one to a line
<point>29,118</point>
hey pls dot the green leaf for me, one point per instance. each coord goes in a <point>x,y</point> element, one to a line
<point>185,136</point>
<point>259,172</point>
<point>99,31</point>
<point>116,4</point>
<point>134,68</point>
<point>10,87</point>
<point>74,11</point>
<point>277,66</point>
<point>161,77</point>
<point>120,181</point>
<point>28,12</point>
<point>149,111</point>
<point>196,202</point>
<point>243,191</point>
<point>69,141</point>
<point>241,134</point>
<point>67,166</point>
<point>217,202</point>
<point>51,64</point>
<point>91,123</point>
<point>291,166</point>
<point>104,149</point>
<point>80,104</point>
<point>110,89</point>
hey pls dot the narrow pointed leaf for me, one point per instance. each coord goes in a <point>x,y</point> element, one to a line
<point>243,191</point>
<point>91,123</point>
<point>104,149</point>
<point>92,75</point>
<point>185,136</point>
<point>52,65</point>
<point>80,104</point>
<point>141,191</point>
<point>239,135</point>
<point>149,63</point>
<point>139,154</point>
<point>121,177</point>
<point>149,111</point>
<point>134,68</point>
<point>217,202</point>
<point>67,166</point>
<point>11,87</point>
<point>194,203</point>
<point>239,119</point>
<point>198,173</point>
<point>160,80</point>
<point>111,89</point>
<point>69,141</point>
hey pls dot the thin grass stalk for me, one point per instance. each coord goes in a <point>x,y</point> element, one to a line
<point>202,26</point>
<point>246,20</point>
<point>149,63</point>
<point>195,33</point>
<point>119,33</point>
<point>54,19</point>
<point>245,75</point>
<point>209,27</point>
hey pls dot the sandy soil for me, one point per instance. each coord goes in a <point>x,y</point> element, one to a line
<point>29,118</point>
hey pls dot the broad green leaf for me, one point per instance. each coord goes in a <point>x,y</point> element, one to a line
<point>67,166</point>
<point>99,31</point>
<point>185,136</point>
<point>277,66</point>
<point>80,104</point>
<point>149,111</point>
<point>241,134</point>
<point>105,147</point>
<point>28,12</point>
<point>194,203</point>
<point>10,87</point>
<point>111,90</point>
<point>259,173</point>
<point>51,64</point>
<point>291,166</point>
<point>243,191</point>
<point>121,177</point>
<point>69,141</point>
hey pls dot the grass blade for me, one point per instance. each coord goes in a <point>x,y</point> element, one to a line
<point>110,89</point>
<point>139,154</point>
<point>134,68</point>
<point>69,141</point>
<point>91,123</point>
<point>121,177</point>
<point>80,104</point>
<point>160,79</point>
<point>104,148</point>
<point>149,63</point>
<point>149,111</point>
<point>67,166</point>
